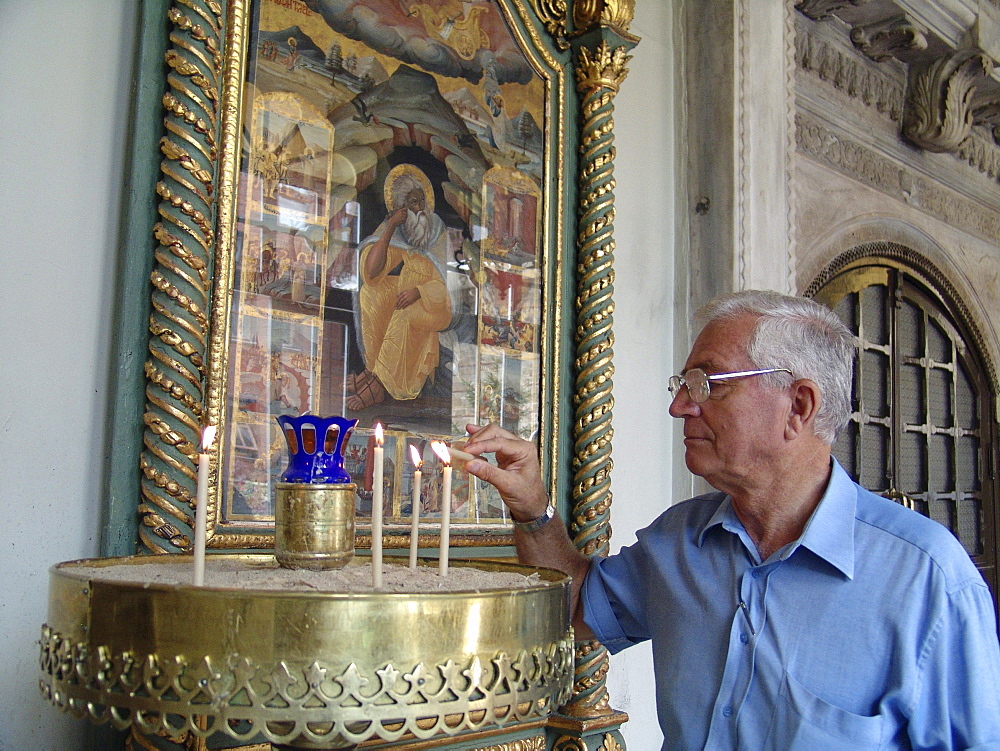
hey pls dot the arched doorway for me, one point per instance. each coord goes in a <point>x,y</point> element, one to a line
<point>921,430</point>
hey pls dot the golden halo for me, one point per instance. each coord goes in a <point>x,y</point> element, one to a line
<point>417,174</point>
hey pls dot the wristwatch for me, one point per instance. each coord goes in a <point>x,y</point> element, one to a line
<point>538,522</point>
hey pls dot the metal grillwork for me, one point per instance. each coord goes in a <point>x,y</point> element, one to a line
<point>919,431</point>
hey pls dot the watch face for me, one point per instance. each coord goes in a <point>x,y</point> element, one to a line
<point>537,522</point>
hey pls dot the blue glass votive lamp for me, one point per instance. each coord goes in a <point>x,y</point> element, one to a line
<point>314,502</point>
<point>316,448</point>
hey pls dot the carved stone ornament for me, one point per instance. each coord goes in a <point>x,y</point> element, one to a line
<point>882,40</point>
<point>938,114</point>
<point>989,114</point>
<point>817,10</point>
<point>868,84</point>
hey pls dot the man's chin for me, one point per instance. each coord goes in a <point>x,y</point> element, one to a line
<point>694,456</point>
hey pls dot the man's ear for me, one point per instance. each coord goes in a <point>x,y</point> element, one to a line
<point>806,399</point>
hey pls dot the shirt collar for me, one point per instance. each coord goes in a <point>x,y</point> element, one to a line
<point>829,533</point>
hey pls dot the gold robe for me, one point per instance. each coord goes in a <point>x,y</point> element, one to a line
<point>401,346</point>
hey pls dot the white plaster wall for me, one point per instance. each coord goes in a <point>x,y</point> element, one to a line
<point>644,448</point>
<point>63,109</point>
<point>62,145</point>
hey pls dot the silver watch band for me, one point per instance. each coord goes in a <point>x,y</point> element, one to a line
<point>538,522</point>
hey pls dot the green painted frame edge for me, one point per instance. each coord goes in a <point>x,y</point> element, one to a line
<point>119,514</point>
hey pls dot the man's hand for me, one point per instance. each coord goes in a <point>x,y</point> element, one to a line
<point>517,475</point>
<point>518,478</point>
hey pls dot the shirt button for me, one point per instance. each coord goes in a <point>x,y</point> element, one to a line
<point>756,573</point>
<point>744,638</point>
<point>727,712</point>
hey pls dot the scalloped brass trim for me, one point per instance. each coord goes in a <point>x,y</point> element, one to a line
<point>169,693</point>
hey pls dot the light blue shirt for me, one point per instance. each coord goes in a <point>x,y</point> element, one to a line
<point>873,630</point>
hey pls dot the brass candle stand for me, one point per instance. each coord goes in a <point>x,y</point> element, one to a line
<point>314,525</point>
<point>300,668</point>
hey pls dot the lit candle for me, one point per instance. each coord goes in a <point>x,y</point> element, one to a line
<point>201,506</point>
<point>377,509</point>
<point>442,451</point>
<point>415,505</point>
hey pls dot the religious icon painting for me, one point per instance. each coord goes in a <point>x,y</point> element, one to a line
<point>390,226</point>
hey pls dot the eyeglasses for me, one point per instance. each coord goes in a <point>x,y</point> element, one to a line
<point>699,383</point>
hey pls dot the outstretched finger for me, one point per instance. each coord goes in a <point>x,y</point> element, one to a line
<point>486,439</point>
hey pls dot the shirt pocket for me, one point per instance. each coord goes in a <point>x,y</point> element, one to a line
<point>804,722</point>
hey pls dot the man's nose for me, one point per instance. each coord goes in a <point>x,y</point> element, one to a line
<point>683,405</point>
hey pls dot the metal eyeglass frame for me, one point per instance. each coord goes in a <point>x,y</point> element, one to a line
<point>699,383</point>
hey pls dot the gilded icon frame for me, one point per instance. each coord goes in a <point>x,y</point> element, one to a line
<point>221,322</point>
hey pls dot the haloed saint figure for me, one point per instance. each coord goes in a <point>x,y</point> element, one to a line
<point>403,300</point>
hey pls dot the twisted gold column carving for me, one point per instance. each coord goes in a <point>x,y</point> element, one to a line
<point>599,73</point>
<point>600,68</point>
<point>181,279</point>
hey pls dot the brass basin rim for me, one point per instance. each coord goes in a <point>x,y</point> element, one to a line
<point>548,578</point>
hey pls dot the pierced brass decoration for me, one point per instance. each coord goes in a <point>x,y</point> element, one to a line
<point>938,115</point>
<point>181,277</point>
<point>168,694</point>
<point>301,666</point>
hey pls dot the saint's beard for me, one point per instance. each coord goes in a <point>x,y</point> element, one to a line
<point>417,229</point>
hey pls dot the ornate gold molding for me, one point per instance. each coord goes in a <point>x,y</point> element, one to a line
<point>614,14</point>
<point>554,14</point>
<point>573,743</point>
<point>535,743</point>
<point>603,67</point>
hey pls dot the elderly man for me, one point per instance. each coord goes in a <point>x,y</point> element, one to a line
<point>403,302</point>
<point>792,609</point>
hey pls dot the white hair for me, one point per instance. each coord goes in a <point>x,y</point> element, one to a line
<point>803,336</point>
<point>404,185</point>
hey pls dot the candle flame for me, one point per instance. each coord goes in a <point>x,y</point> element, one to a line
<point>207,438</point>
<point>378,434</point>
<point>442,451</point>
<point>415,456</point>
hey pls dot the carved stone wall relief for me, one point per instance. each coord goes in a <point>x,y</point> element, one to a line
<point>951,96</point>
